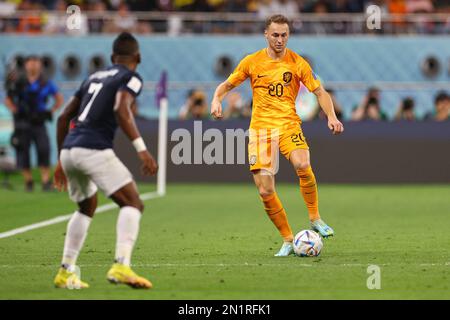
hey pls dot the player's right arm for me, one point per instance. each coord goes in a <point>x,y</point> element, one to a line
<point>125,119</point>
<point>62,128</point>
<point>239,75</point>
<point>219,94</point>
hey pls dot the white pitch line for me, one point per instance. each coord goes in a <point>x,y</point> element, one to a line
<point>166,265</point>
<point>221,265</point>
<point>45,223</point>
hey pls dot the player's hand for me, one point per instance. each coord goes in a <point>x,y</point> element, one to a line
<point>149,165</point>
<point>216,109</point>
<point>335,126</point>
<point>59,178</point>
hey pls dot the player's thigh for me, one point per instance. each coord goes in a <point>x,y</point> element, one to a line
<point>105,170</point>
<point>128,195</point>
<point>79,185</point>
<point>264,181</point>
<point>294,147</point>
<point>300,158</point>
<point>262,151</point>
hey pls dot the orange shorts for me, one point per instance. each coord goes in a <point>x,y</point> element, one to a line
<point>264,145</point>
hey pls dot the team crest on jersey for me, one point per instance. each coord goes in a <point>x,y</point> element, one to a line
<point>252,160</point>
<point>287,77</point>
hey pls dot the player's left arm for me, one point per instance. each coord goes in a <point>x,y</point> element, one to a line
<point>326,103</point>
<point>125,119</point>
<point>220,93</point>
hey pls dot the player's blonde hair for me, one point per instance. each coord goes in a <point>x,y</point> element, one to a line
<point>277,18</point>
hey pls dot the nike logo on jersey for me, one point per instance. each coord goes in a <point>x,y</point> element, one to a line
<point>261,76</point>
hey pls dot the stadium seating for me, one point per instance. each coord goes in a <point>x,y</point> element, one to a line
<point>351,64</point>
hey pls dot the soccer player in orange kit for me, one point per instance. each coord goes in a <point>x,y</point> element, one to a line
<point>276,74</point>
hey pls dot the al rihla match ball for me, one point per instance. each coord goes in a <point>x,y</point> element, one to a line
<point>307,243</point>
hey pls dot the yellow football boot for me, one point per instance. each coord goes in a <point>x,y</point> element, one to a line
<point>120,273</point>
<point>69,280</point>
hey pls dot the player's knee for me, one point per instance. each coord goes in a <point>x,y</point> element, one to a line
<point>88,206</point>
<point>302,166</point>
<point>136,203</point>
<point>265,191</point>
<point>89,213</point>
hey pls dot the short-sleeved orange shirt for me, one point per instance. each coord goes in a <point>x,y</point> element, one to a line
<point>275,85</point>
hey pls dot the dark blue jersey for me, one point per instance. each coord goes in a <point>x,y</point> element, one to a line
<point>95,124</point>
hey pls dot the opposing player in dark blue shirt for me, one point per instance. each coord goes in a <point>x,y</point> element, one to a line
<point>87,161</point>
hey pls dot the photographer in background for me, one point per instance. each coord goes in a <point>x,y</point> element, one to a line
<point>196,106</point>
<point>26,98</point>
<point>406,110</point>
<point>237,108</point>
<point>369,109</point>
<point>441,110</point>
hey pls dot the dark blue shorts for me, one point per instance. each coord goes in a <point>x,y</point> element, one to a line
<point>29,134</point>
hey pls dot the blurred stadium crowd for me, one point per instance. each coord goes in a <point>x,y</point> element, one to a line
<point>221,16</point>
<point>263,7</point>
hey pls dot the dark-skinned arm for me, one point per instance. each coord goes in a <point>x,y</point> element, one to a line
<point>62,128</point>
<point>125,119</point>
<point>63,122</point>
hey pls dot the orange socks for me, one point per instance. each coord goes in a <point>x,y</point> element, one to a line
<point>276,213</point>
<point>308,188</point>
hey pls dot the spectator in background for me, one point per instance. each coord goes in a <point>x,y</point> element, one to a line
<point>441,108</point>
<point>182,5</point>
<point>27,100</point>
<point>144,27</point>
<point>143,5</point>
<point>419,6</point>
<point>288,8</point>
<point>319,114</point>
<point>123,21</point>
<point>196,106</point>
<point>193,5</point>
<point>236,107</point>
<point>55,19</point>
<point>31,21</point>
<point>184,109</point>
<point>345,6</point>
<point>406,110</point>
<point>236,6</point>
<point>423,24</point>
<point>96,24</point>
<point>369,109</point>
<point>321,8</point>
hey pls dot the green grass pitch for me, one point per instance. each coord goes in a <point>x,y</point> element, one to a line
<point>215,242</point>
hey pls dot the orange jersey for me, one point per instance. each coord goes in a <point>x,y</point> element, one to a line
<point>275,85</point>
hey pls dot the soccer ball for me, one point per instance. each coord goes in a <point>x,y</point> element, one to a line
<point>307,243</point>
